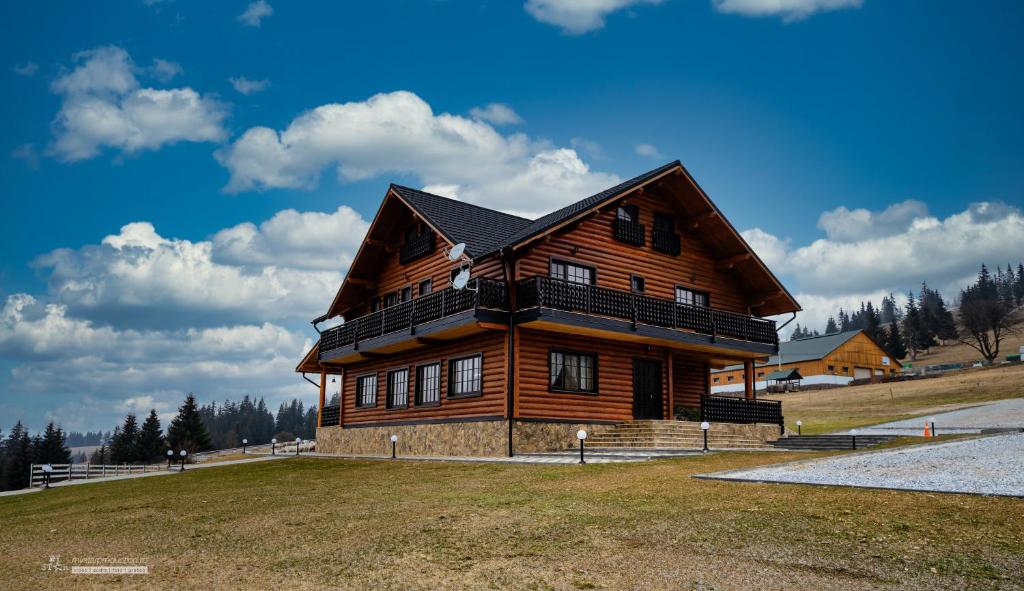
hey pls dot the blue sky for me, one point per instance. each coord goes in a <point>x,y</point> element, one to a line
<point>862,146</point>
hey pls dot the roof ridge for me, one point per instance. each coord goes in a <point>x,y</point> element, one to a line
<point>459,201</point>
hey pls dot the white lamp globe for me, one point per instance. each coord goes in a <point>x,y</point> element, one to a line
<point>245,441</point>
<point>581,435</point>
<point>394,438</point>
<point>799,423</point>
<point>47,468</point>
<point>298,440</point>
<point>170,452</point>
<point>273,440</point>
<point>705,425</point>
<point>183,453</point>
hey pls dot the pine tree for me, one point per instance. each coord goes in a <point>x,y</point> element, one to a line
<point>985,317</point>
<point>187,430</point>
<point>18,452</point>
<point>151,440</point>
<point>894,344</point>
<point>871,323</point>
<point>912,327</point>
<point>1018,288</point>
<point>888,313</point>
<point>100,455</point>
<point>51,448</point>
<point>124,448</point>
<point>830,326</point>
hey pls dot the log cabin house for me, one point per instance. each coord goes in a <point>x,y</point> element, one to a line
<point>610,310</point>
<point>837,359</point>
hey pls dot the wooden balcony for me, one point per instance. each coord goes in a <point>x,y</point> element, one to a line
<point>398,326</point>
<point>629,232</point>
<point>417,247</point>
<point>659,318</point>
<point>665,241</point>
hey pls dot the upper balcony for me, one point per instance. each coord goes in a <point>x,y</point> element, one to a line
<point>629,232</point>
<point>403,326</point>
<point>417,246</point>
<point>591,308</point>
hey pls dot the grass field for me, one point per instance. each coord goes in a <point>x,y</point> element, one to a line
<point>842,408</point>
<point>316,523</point>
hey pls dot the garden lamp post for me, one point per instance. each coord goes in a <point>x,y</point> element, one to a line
<point>853,433</point>
<point>932,421</point>
<point>298,440</point>
<point>582,436</point>
<point>394,447</point>
<point>170,456</point>
<point>273,446</point>
<point>47,470</point>
<point>183,453</point>
<point>799,424</point>
<point>244,443</point>
<point>704,426</point>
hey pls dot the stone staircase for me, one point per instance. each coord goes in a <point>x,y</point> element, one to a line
<point>654,434</point>
<point>829,442</point>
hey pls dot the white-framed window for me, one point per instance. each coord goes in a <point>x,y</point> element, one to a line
<point>572,273</point>
<point>428,384</point>
<point>692,297</point>
<point>398,388</point>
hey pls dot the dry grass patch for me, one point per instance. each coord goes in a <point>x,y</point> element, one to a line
<point>315,523</point>
<point>823,411</point>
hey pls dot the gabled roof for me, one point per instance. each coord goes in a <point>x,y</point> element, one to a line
<point>785,374</point>
<point>807,349</point>
<point>483,230</point>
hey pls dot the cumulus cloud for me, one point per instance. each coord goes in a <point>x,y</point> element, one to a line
<point>903,247</point>
<point>26,69</point>
<point>104,106</point>
<point>576,17</point>
<point>398,132</point>
<point>164,70</point>
<point>243,85</point>
<point>255,12</point>
<point>647,151</point>
<point>496,114</point>
<point>789,10</point>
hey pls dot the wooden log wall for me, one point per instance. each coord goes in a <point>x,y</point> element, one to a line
<point>690,380</point>
<point>592,243</point>
<point>491,345</point>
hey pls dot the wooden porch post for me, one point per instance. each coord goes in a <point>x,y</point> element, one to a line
<point>748,378</point>
<point>671,387</point>
<point>341,399</point>
<point>323,390</point>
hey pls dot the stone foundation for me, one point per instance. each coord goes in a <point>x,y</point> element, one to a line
<point>483,438</point>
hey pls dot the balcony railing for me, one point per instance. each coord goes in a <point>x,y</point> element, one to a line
<point>546,292</point>
<point>330,416</point>
<point>629,232</point>
<point>665,241</point>
<point>479,293</point>
<point>421,245</point>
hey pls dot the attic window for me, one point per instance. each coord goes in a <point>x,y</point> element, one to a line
<point>664,239</point>
<point>419,242</point>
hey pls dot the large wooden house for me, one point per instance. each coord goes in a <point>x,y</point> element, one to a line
<point>611,309</point>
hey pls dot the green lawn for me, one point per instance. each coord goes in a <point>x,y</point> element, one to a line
<point>314,523</point>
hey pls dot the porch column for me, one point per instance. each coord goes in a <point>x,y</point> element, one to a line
<point>323,390</point>
<point>748,378</point>
<point>671,387</point>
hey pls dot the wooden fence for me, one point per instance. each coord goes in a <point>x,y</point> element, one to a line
<point>88,470</point>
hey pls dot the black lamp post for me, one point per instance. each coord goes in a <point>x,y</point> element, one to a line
<point>244,443</point>
<point>47,470</point>
<point>298,440</point>
<point>799,424</point>
<point>853,437</point>
<point>394,447</point>
<point>273,446</point>
<point>932,421</point>
<point>183,453</point>
<point>170,456</point>
<point>582,436</point>
<point>704,426</point>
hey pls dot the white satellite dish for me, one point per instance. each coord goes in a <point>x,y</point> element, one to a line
<point>461,279</point>
<point>456,252</point>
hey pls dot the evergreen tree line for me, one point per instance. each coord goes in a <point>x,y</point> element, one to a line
<point>78,439</point>
<point>230,422</point>
<point>19,450</point>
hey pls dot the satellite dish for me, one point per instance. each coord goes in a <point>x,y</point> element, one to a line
<point>456,252</point>
<point>461,279</point>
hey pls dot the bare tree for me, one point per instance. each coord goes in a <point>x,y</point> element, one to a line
<point>985,317</point>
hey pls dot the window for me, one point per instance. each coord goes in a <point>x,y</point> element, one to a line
<point>572,272</point>
<point>406,294</point>
<point>573,372</point>
<point>374,304</point>
<point>664,223</point>
<point>629,213</point>
<point>637,284</point>
<point>464,376</point>
<point>390,299</point>
<point>731,378</point>
<point>691,297</point>
<point>366,390</point>
<point>425,287</point>
<point>428,384</point>
<point>716,380</point>
<point>846,369</point>
<point>760,374</point>
<point>398,388</point>
<point>832,368</point>
<point>413,232</point>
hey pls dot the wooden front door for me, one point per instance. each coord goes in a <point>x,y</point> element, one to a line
<point>647,403</point>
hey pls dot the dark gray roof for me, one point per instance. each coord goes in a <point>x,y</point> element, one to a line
<point>483,230</point>
<point>785,374</point>
<point>807,349</point>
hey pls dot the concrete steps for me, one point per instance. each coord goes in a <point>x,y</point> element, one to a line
<point>829,442</point>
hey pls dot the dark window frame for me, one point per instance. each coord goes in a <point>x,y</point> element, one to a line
<point>660,216</point>
<point>418,391</point>
<point>631,211</point>
<point>552,261</point>
<point>594,364</point>
<point>695,292</point>
<point>450,394</point>
<point>388,404</point>
<point>394,297</point>
<point>360,400</point>
<point>632,284</point>
<point>405,294</point>
<point>429,282</point>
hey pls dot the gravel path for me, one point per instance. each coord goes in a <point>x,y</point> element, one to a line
<point>992,465</point>
<point>1004,414</point>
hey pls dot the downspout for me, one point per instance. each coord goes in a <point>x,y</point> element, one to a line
<point>316,321</point>
<point>778,356</point>
<point>506,260</point>
<point>310,381</point>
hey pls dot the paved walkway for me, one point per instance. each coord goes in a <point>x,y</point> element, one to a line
<point>1004,414</point>
<point>189,468</point>
<point>988,465</point>
<point>557,457</point>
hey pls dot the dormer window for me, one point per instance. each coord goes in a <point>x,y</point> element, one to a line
<point>628,228</point>
<point>664,239</point>
<point>419,242</point>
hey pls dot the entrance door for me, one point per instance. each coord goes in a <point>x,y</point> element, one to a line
<point>647,402</point>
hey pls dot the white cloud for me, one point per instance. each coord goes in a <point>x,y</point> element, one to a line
<point>904,248</point>
<point>26,69</point>
<point>26,153</point>
<point>589,147</point>
<point>496,114</point>
<point>399,133</point>
<point>576,17</point>
<point>789,10</point>
<point>103,106</point>
<point>245,86</point>
<point>647,151</point>
<point>164,70</point>
<point>255,12</point>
